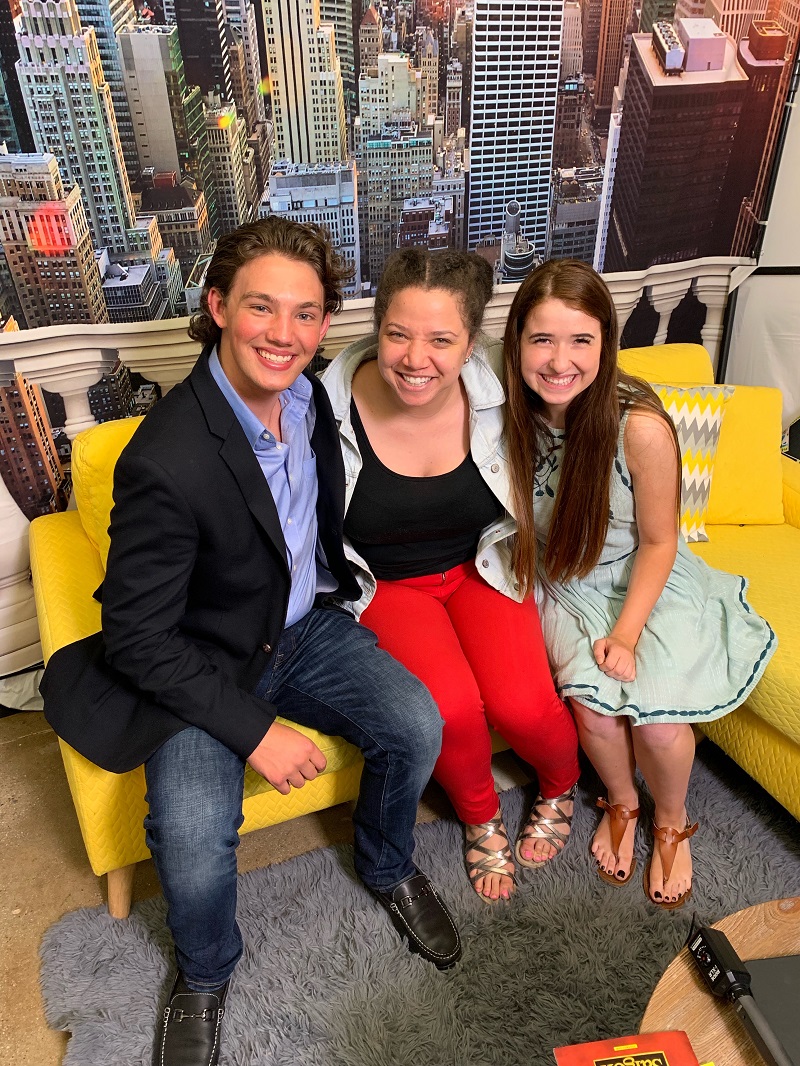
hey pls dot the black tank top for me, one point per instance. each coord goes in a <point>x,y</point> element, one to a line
<point>413,526</point>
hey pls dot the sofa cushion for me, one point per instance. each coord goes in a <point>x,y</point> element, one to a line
<point>697,413</point>
<point>680,364</point>
<point>767,556</point>
<point>747,487</point>
<point>94,456</point>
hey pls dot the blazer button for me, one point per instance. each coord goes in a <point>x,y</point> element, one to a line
<point>495,467</point>
<point>485,564</point>
<point>266,648</point>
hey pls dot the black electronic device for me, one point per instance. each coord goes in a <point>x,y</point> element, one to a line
<point>728,978</point>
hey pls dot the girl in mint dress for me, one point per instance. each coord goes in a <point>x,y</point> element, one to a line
<point>644,637</point>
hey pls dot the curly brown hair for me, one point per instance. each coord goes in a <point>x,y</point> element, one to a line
<point>302,241</point>
<point>465,275</point>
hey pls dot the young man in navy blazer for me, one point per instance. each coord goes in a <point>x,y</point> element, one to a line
<point>222,607</point>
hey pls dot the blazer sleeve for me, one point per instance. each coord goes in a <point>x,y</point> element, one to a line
<point>154,542</point>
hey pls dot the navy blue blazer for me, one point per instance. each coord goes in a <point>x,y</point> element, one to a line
<point>196,588</point>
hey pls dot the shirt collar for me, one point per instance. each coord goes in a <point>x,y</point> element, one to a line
<point>298,395</point>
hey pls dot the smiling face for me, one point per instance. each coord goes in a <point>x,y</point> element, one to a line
<point>560,352</point>
<point>272,321</point>
<point>423,343</point>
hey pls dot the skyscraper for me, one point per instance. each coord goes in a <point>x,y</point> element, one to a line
<point>305,82</point>
<point>614,21</point>
<point>227,140</point>
<point>669,173</point>
<point>514,90</point>
<point>452,109</point>
<point>47,244</point>
<point>340,14</point>
<point>735,16</point>
<point>71,114</point>
<point>241,14</point>
<point>204,47</point>
<point>17,132</point>
<point>108,18</point>
<point>29,462</point>
<point>761,57</point>
<point>571,41</point>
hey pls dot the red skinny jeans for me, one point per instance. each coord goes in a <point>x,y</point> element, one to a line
<point>482,657</point>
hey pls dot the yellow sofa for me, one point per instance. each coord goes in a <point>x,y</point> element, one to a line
<point>753,526</point>
<point>754,529</point>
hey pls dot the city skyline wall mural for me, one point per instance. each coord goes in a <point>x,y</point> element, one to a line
<point>133,135</point>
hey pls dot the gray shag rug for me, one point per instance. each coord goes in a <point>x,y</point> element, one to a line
<point>324,980</point>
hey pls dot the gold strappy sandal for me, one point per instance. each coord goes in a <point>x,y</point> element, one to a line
<point>539,827</point>
<point>495,861</point>
<point>619,816</point>
<point>667,841</point>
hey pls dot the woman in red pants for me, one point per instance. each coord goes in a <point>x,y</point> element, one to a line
<point>427,530</point>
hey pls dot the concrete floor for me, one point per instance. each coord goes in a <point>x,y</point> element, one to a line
<point>46,873</point>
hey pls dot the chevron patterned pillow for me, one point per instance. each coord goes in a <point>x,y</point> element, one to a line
<point>697,412</point>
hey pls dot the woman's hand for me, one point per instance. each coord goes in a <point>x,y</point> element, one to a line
<point>615,657</point>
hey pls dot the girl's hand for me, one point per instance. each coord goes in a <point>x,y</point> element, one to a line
<point>615,657</point>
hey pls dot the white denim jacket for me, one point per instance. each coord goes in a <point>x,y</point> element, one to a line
<point>486,399</point>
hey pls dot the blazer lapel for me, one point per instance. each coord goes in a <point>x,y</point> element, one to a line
<point>237,454</point>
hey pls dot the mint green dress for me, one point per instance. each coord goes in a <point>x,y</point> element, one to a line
<point>703,648</point>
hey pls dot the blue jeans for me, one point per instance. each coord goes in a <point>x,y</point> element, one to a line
<point>329,674</point>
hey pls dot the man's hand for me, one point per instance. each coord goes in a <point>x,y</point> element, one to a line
<point>287,758</point>
<point>615,657</point>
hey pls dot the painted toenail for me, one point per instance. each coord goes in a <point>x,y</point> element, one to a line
<point>620,873</point>
<point>657,895</point>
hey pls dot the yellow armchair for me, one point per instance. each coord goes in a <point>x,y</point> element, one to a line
<point>68,554</point>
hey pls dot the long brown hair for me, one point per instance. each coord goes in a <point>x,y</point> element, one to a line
<point>580,517</point>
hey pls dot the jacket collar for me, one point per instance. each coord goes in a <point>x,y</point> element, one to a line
<point>481,384</point>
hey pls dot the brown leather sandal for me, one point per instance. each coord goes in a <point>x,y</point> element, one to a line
<point>667,841</point>
<point>619,816</point>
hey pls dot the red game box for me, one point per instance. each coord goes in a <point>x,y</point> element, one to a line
<point>645,1049</point>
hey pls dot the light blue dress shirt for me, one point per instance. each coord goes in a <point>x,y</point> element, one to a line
<point>290,470</point>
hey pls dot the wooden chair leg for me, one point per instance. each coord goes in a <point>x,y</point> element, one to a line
<point>120,891</point>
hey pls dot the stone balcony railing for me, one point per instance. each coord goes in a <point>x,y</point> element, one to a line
<point>68,359</point>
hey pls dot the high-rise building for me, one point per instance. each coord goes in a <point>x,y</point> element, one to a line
<point>10,307</point>
<point>305,83</point>
<point>182,216</point>
<point>72,116</point>
<point>735,16</point>
<point>132,293</point>
<point>654,11</point>
<point>450,180</point>
<point>614,19</point>
<point>17,131</point>
<point>204,46</point>
<point>47,245</point>
<point>325,194</point>
<point>426,222</point>
<point>227,140</point>
<point>370,39</point>
<point>108,18</point>
<point>169,116</point>
<point>569,122</point>
<point>514,90</point>
<point>591,10</point>
<point>576,212</point>
<point>609,174</point>
<point>452,108</point>
<point>340,14</point>
<point>241,14</point>
<point>428,64</point>
<point>571,41</point>
<point>29,462</point>
<point>669,173</point>
<point>462,51</point>
<point>762,58</point>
